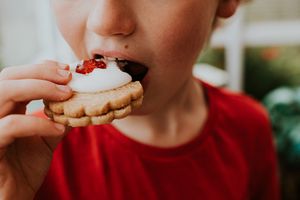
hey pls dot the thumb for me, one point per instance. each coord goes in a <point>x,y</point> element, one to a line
<point>52,142</point>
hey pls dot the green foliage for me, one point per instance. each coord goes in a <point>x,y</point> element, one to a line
<point>265,68</point>
<point>283,105</point>
<point>270,68</point>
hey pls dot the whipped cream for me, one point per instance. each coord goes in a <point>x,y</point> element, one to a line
<point>99,79</point>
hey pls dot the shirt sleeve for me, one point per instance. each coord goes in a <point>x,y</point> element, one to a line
<point>264,180</point>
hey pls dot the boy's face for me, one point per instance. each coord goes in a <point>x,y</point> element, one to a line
<point>166,36</point>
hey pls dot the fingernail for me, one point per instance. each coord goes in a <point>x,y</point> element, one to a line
<point>64,88</point>
<point>63,73</point>
<point>63,66</point>
<point>61,128</point>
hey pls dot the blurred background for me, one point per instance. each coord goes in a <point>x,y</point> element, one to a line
<point>256,52</point>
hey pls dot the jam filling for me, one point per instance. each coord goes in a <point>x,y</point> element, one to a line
<point>89,65</point>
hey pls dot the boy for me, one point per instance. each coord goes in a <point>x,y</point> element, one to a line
<point>189,140</point>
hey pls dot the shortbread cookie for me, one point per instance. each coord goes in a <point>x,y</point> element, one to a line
<point>96,108</point>
<point>88,106</point>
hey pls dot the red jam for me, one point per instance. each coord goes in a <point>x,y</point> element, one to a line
<point>89,65</point>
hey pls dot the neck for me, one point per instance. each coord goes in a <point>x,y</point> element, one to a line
<point>180,120</point>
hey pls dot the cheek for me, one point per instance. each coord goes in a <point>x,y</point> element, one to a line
<point>182,38</point>
<point>71,24</point>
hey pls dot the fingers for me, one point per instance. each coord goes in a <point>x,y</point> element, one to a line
<point>18,91</point>
<point>32,89</point>
<point>48,70</point>
<point>19,126</point>
<point>25,83</point>
<point>53,141</point>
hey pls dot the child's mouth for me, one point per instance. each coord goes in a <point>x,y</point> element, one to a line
<point>136,70</point>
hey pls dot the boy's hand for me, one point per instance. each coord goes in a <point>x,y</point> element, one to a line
<point>27,142</point>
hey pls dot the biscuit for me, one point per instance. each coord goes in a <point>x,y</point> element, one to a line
<point>103,107</point>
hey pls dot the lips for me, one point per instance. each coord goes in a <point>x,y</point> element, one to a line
<point>136,70</point>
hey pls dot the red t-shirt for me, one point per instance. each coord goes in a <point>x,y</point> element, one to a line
<point>232,158</point>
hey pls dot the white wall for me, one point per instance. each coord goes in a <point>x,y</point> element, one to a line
<point>28,33</point>
<point>18,32</point>
<point>273,10</point>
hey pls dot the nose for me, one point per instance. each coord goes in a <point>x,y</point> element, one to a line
<point>111,18</point>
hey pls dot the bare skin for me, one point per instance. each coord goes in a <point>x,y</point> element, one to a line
<point>27,142</point>
<point>175,32</point>
<point>166,36</point>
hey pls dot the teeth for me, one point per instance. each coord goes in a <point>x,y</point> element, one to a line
<point>113,59</point>
<point>122,64</point>
<point>110,58</point>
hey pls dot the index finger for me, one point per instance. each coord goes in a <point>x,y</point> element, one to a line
<point>48,70</point>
